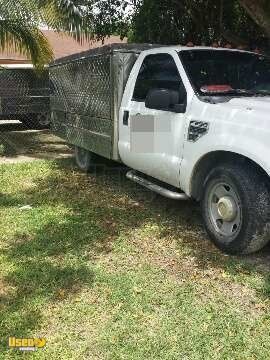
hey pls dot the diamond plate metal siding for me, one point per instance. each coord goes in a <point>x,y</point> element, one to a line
<point>83,86</point>
<point>87,90</point>
<point>81,103</point>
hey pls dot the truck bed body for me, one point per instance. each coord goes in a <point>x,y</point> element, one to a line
<point>87,90</point>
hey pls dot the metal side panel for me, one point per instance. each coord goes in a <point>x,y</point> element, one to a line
<point>84,131</point>
<point>81,103</point>
<point>86,98</point>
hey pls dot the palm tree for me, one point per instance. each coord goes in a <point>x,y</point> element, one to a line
<point>20,22</point>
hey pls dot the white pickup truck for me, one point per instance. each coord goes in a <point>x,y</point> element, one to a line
<point>187,122</point>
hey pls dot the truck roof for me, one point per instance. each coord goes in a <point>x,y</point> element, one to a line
<point>137,48</point>
<point>106,49</point>
<point>184,48</point>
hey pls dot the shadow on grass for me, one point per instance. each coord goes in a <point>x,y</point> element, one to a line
<point>41,274</point>
<point>16,140</point>
<point>55,260</point>
<point>182,221</point>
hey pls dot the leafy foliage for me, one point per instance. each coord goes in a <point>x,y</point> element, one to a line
<point>259,11</point>
<point>179,21</point>
<point>107,18</point>
<point>155,21</point>
<point>20,22</point>
<point>199,21</point>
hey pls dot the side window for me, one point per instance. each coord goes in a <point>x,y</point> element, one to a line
<point>158,71</point>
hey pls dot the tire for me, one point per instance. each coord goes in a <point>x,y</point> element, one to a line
<point>85,159</point>
<point>36,121</point>
<point>240,197</point>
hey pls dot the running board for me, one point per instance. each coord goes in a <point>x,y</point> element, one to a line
<point>175,195</point>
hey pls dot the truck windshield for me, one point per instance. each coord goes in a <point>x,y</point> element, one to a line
<point>222,72</point>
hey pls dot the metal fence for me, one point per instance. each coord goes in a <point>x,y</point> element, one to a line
<point>24,95</point>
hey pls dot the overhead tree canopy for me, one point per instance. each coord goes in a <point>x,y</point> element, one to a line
<point>178,21</point>
<point>200,21</point>
<point>155,21</point>
<point>259,11</point>
<point>107,17</point>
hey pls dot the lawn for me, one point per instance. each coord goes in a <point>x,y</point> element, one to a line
<point>105,270</point>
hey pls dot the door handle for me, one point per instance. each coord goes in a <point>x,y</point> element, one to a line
<point>125,117</point>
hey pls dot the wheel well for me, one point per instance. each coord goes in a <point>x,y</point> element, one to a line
<point>213,159</point>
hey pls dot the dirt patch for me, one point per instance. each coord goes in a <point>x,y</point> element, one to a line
<point>18,144</point>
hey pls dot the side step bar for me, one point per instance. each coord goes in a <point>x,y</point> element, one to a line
<point>175,195</point>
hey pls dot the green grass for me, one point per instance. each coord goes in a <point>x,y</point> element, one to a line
<point>105,270</point>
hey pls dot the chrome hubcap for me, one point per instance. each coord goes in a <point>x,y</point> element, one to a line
<point>225,210</point>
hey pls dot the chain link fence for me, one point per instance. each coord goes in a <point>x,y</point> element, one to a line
<point>25,95</point>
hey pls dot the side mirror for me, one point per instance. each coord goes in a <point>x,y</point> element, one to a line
<point>165,99</point>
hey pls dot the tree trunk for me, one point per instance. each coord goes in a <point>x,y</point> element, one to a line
<point>259,12</point>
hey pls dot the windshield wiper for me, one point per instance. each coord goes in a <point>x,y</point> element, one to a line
<point>232,92</point>
<point>245,92</point>
<point>242,92</point>
<point>261,93</point>
<point>239,92</point>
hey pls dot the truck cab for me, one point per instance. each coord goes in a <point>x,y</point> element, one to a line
<point>191,113</point>
<point>193,123</point>
<point>165,141</point>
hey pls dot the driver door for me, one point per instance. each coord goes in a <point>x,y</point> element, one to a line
<point>155,136</point>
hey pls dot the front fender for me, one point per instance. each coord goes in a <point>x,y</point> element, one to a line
<point>245,146</point>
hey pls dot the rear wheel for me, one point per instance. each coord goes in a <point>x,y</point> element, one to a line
<point>84,159</point>
<point>236,209</point>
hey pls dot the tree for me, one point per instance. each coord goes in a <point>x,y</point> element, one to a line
<point>20,22</point>
<point>200,21</point>
<point>259,11</point>
<point>155,21</point>
<point>107,17</point>
<point>177,21</point>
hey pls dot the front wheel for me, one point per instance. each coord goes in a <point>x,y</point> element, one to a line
<point>236,209</point>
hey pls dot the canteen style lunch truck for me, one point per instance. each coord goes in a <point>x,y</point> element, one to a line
<point>187,122</point>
